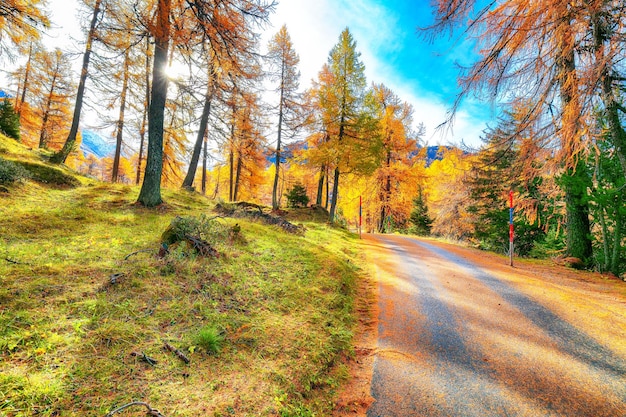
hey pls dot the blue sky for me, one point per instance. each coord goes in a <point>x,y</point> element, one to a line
<point>420,72</point>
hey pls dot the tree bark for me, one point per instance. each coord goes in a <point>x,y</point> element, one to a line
<point>575,178</point>
<point>320,186</point>
<point>237,177</point>
<point>144,121</point>
<point>204,162</point>
<point>204,121</point>
<point>275,202</point>
<point>578,240</point>
<point>333,201</point>
<point>46,114</point>
<point>120,120</point>
<point>150,194</point>
<point>61,156</point>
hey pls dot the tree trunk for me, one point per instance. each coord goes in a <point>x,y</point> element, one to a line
<point>611,106</point>
<point>617,235</point>
<point>204,161</point>
<point>142,129</point>
<point>231,165</point>
<point>18,108</point>
<point>237,177</point>
<point>578,238</point>
<point>61,156</point>
<point>275,202</point>
<point>150,194</point>
<point>320,186</point>
<point>204,121</point>
<point>575,179</point>
<point>120,120</point>
<point>43,134</point>
<point>333,202</point>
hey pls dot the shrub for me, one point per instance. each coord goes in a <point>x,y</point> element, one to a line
<point>296,197</point>
<point>11,172</point>
<point>9,120</point>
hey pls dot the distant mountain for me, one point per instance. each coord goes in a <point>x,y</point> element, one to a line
<point>4,94</point>
<point>96,145</point>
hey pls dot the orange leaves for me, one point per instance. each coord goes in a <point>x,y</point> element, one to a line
<point>20,22</point>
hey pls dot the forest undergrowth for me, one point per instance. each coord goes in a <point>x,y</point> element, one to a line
<point>88,306</point>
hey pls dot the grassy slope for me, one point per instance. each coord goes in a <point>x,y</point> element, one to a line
<point>282,303</point>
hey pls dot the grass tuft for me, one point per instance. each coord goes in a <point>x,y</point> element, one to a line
<point>210,339</point>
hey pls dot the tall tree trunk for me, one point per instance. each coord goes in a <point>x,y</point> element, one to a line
<point>575,183</point>
<point>237,177</point>
<point>204,121</point>
<point>601,35</point>
<point>27,69</point>
<point>144,118</point>
<point>204,162</point>
<point>617,235</point>
<point>231,164</point>
<point>575,178</point>
<point>61,156</point>
<point>43,134</point>
<point>333,201</point>
<point>327,189</point>
<point>385,195</point>
<point>320,186</point>
<point>275,202</point>
<point>120,119</point>
<point>150,194</point>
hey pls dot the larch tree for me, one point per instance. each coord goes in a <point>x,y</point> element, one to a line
<point>150,194</point>
<point>21,22</point>
<point>192,14</point>
<point>284,61</point>
<point>341,104</point>
<point>52,87</point>
<point>529,52</point>
<point>393,130</point>
<point>61,156</point>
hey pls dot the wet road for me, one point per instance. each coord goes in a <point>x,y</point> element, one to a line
<point>456,340</point>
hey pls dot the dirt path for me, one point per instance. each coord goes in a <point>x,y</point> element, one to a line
<point>461,333</point>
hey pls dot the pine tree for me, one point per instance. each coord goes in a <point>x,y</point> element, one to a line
<point>9,120</point>
<point>419,219</point>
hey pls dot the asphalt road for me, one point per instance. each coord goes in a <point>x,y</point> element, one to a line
<point>457,340</point>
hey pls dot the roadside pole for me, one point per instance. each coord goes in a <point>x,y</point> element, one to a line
<point>511,231</point>
<point>360,216</point>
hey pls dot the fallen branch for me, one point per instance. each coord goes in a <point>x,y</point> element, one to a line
<point>14,262</point>
<point>137,252</point>
<point>201,246</point>
<point>151,411</point>
<point>177,352</point>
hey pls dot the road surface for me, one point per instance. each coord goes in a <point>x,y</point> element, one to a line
<point>458,339</point>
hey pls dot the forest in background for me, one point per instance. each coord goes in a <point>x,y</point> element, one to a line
<point>554,69</point>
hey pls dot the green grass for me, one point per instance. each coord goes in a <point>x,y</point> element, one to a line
<point>266,325</point>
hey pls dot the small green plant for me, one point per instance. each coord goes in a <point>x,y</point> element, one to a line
<point>210,339</point>
<point>296,197</point>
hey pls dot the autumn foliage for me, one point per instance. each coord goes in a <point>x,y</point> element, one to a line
<point>182,89</point>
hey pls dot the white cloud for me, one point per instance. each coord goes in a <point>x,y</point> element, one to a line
<point>315,27</point>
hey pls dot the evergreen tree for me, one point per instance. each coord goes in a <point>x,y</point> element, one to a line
<point>296,197</point>
<point>421,222</point>
<point>9,120</point>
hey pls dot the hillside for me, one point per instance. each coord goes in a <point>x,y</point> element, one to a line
<point>87,304</point>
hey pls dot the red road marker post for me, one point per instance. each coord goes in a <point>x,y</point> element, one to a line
<point>511,230</point>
